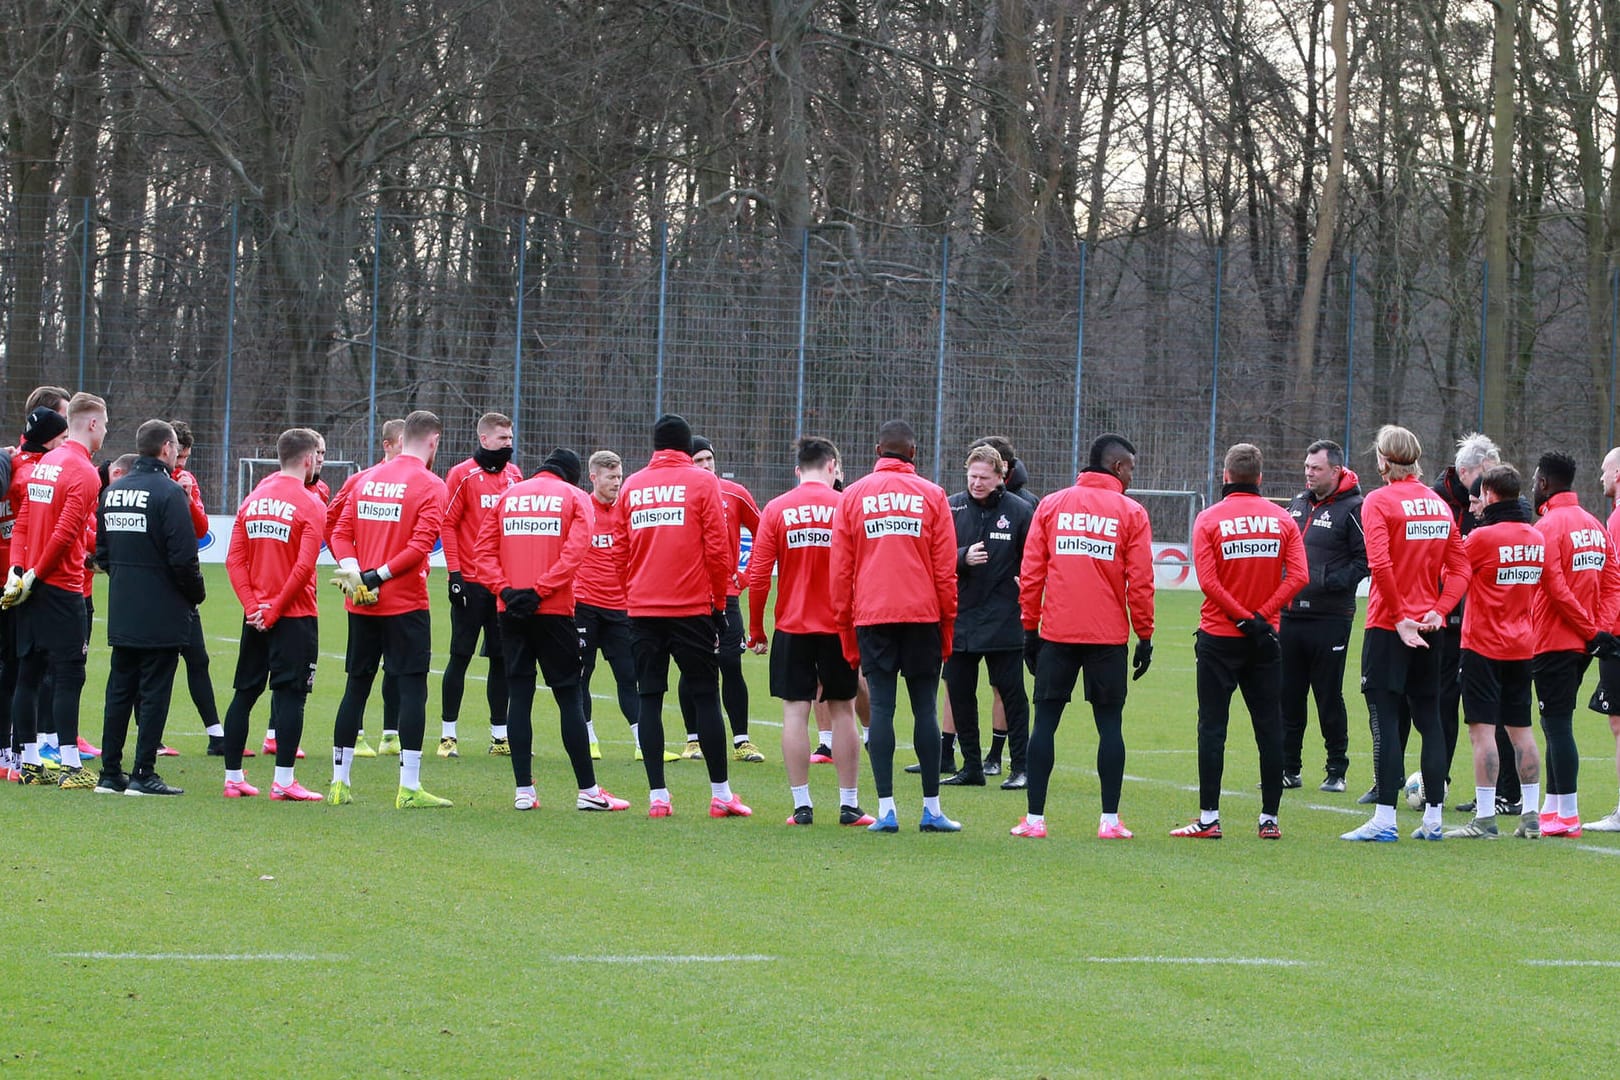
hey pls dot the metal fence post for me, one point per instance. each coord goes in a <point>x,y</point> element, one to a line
<point>376,287</point>
<point>517,338</point>
<point>804,318</point>
<point>1350,356</point>
<point>939,375</point>
<point>1215,372</point>
<point>84,283</point>
<point>230,363</point>
<point>1079,362</point>
<point>663,300</point>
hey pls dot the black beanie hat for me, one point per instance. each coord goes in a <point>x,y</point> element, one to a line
<point>672,432</point>
<point>43,425</point>
<point>700,444</point>
<point>564,463</point>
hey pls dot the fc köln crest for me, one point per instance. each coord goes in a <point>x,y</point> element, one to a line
<point>1002,522</point>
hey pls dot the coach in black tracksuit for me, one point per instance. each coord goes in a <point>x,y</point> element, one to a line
<point>1315,633</point>
<point>145,542</point>
<point>991,527</point>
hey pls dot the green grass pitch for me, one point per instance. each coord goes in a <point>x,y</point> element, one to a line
<point>199,936</point>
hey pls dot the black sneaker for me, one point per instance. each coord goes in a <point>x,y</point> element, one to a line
<point>802,815</point>
<point>1332,783</point>
<point>964,777</point>
<point>216,746</point>
<point>150,784</point>
<point>1018,781</point>
<point>111,783</point>
<point>1292,780</point>
<point>992,766</point>
<point>1370,797</point>
<point>946,768</point>
<point>854,815</point>
<point>1467,807</point>
<point>1503,807</point>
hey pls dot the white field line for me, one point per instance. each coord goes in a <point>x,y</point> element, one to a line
<point>663,958</point>
<point>1572,963</point>
<point>1596,849</point>
<point>1232,961</point>
<point>219,957</point>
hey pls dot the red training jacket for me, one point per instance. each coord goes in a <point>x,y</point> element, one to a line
<point>1580,583</point>
<point>742,512</point>
<point>1505,563</point>
<point>22,467</point>
<point>62,490</point>
<point>600,581</point>
<point>894,552</point>
<point>199,515</point>
<point>1413,545</point>
<point>1087,575</point>
<point>275,541</point>
<point>391,519</point>
<point>795,536</point>
<point>474,492</point>
<point>678,560</point>
<point>535,538</point>
<point>1250,559</point>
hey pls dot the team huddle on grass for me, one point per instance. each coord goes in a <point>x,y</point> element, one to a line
<point>1483,589</point>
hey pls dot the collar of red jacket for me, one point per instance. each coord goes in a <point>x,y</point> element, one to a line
<point>1105,480</point>
<point>667,459</point>
<point>889,464</point>
<point>1563,498</point>
<point>1347,480</point>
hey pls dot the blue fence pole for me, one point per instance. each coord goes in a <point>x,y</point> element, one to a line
<point>517,338</point>
<point>804,318</point>
<point>663,300</point>
<point>1484,333</point>
<point>939,375</point>
<point>230,365</point>
<point>376,289</point>
<point>84,285</point>
<point>1079,363</point>
<point>1215,373</point>
<point>1614,346</point>
<point>1350,358</point>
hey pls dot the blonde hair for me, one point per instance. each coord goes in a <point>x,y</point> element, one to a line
<point>82,404</point>
<point>989,456</point>
<point>491,422</point>
<point>1400,450</point>
<point>604,459</point>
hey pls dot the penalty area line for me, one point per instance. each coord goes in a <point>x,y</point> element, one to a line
<point>664,958</point>
<point>207,957</point>
<point>1233,961</point>
<point>1572,963</point>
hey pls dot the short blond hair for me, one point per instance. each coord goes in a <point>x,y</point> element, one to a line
<point>604,459</point>
<point>82,404</point>
<point>491,422</point>
<point>392,430</point>
<point>1400,449</point>
<point>1244,463</point>
<point>989,456</point>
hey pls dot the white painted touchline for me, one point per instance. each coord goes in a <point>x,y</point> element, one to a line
<point>1572,963</point>
<point>1595,848</point>
<point>227,957</point>
<point>1353,812</point>
<point>1235,961</point>
<point>663,958</point>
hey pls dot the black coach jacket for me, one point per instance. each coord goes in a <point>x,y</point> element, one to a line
<point>987,596</point>
<point>1335,549</point>
<point>145,542</point>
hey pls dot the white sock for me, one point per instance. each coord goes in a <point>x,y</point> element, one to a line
<point>1484,801</point>
<point>931,805</point>
<point>70,756</point>
<point>885,807</point>
<point>738,740</point>
<point>497,731</point>
<point>1549,803</point>
<point>1264,818</point>
<point>390,732</point>
<point>215,731</point>
<point>529,791</point>
<point>593,791</point>
<point>48,738</point>
<point>284,775</point>
<point>658,795</point>
<point>1107,819</point>
<point>590,730</point>
<point>848,796</point>
<point>635,735</point>
<point>30,754</point>
<point>722,790</point>
<point>410,769</point>
<point>1567,807</point>
<point>235,776</point>
<point>691,740</point>
<point>823,738</point>
<point>447,729</point>
<point>1383,815</point>
<point>270,734</point>
<point>1208,817</point>
<point>342,758</point>
<point>1532,795</point>
<point>801,796</point>
<point>865,732</point>
<point>1040,819</point>
<point>1431,815</point>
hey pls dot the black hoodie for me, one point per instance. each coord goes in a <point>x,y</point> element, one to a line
<point>1335,548</point>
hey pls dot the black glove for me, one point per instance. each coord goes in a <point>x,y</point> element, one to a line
<point>1603,644</point>
<point>1256,627</point>
<point>371,580</point>
<point>458,589</point>
<point>1142,659</point>
<point>520,602</point>
<point>1032,649</point>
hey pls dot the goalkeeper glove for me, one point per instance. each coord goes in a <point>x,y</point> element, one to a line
<point>19,584</point>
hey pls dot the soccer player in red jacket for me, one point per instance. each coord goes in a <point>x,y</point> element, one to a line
<point>1250,562</point>
<point>1506,560</point>
<point>893,572</point>
<point>1085,583</point>
<point>275,541</point>
<point>528,550</point>
<point>679,566</point>
<point>1605,699</point>
<point>475,486</point>
<point>807,660</point>
<point>1419,572</point>
<point>48,547</point>
<point>741,513</point>
<point>382,544</point>
<point>1578,601</point>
